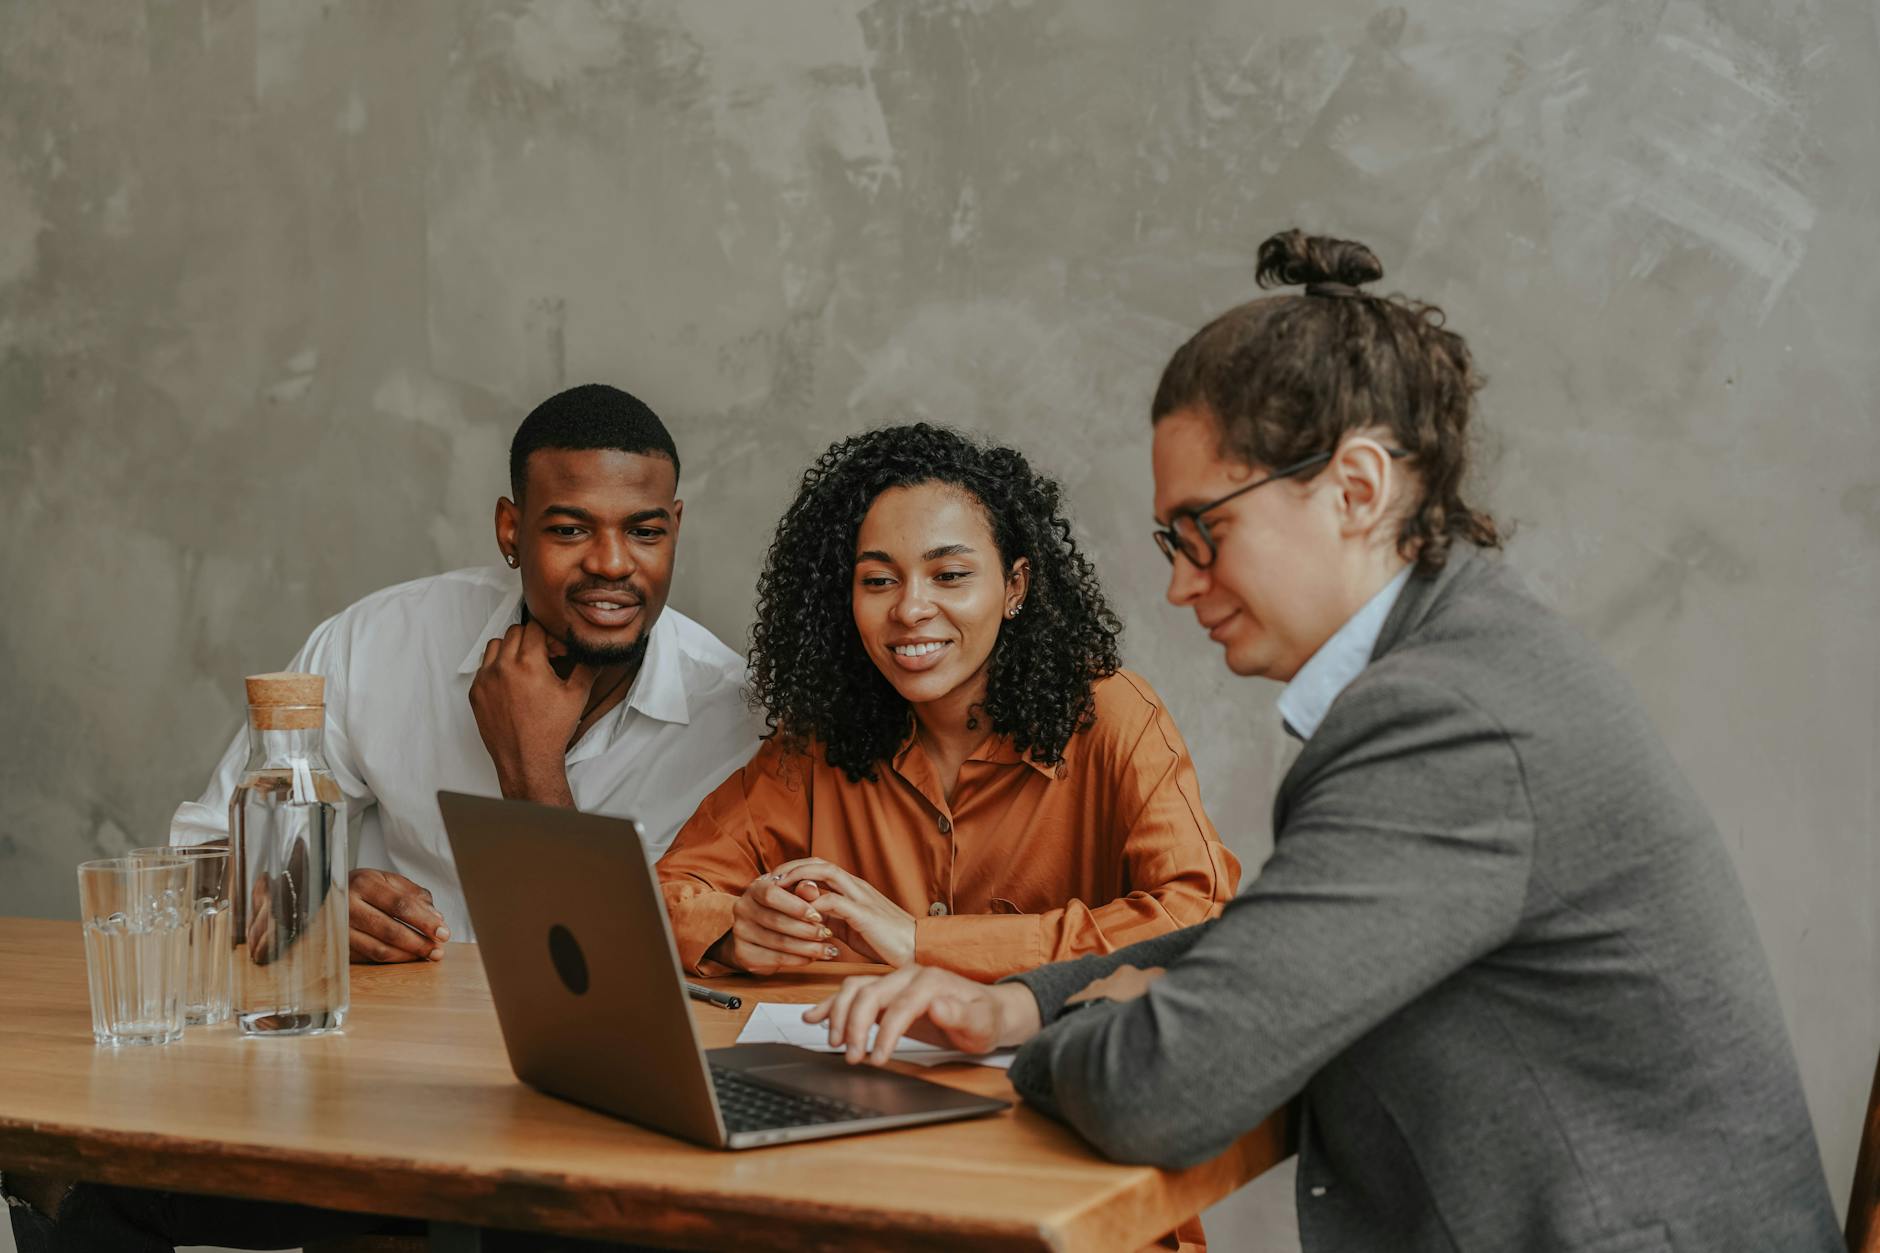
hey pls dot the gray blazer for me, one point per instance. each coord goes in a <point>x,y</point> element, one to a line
<point>1500,949</point>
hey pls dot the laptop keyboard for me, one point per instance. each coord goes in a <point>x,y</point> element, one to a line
<point>752,1106</point>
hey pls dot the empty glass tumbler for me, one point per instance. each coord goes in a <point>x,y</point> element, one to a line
<point>288,866</point>
<point>205,1000</point>
<point>136,914</point>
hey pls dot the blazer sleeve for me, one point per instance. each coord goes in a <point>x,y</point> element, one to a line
<point>756,819</point>
<point>1177,871</point>
<point>1400,860</point>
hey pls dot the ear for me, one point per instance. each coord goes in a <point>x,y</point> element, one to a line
<point>678,515</point>
<point>1362,472</point>
<point>1017,584</point>
<point>508,527</point>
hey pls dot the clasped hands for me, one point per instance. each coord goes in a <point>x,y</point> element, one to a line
<point>784,919</point>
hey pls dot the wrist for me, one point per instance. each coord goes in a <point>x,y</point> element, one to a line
<point>1019,1019</point>
<point>543,781</point>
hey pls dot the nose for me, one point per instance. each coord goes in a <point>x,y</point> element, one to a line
<point>610,556</point>
<point>911,607</point>
<point>1186,581</point>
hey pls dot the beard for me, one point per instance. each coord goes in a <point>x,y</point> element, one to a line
<point>599,656</point>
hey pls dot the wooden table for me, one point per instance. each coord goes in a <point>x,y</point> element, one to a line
<point>413,1111</point>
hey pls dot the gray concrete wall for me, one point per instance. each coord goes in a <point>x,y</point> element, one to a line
<point>278,279</point>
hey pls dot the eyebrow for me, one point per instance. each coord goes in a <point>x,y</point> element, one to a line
<point>932,554</point>
<point>582,515</point>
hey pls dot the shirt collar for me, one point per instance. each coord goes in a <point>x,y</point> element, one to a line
<point>658,690</point>
<point>994,748</point>
<point>1308,698</point>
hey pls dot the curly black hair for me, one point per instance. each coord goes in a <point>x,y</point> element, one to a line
<point>809,670</point>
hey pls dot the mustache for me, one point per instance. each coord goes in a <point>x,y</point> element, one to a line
<point>625,592</point>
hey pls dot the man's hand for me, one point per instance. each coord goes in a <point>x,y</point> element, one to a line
<point>880,928</point>
<point>773,928</point>
<point>527,713</point>
<point>378,900</point>
<point>928,1004</point>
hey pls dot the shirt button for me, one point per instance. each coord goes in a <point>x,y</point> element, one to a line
<point>937,908</point>
<point>946,825</point>
<point>1319,1190</point>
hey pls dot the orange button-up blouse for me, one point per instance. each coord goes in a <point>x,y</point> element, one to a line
<point>1029,863</point>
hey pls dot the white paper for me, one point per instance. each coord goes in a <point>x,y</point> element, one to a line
<point>778,1022</point>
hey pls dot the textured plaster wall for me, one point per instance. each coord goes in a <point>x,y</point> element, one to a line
<point>277,280</point>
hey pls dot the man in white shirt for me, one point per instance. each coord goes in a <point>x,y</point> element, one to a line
<point>573,685</point>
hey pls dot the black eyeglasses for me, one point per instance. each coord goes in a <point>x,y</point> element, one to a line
<point>1188,535</point>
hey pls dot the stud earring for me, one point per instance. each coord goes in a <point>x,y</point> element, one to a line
<point>1013,611</point>
<point>511,559</point>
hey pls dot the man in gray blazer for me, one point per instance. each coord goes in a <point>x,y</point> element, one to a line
<point>1500,954</point>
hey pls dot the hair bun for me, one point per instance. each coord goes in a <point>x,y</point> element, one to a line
<point>1292,258</point>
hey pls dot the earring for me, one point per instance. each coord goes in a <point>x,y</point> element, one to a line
<point>511,559</point>
<point>1013,611</point>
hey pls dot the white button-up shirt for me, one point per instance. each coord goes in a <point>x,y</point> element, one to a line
<point>398,666</point>
<point>1308,698</point>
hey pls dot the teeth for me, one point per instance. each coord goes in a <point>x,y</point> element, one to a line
<point>607,604</point>
<point>917,650</point>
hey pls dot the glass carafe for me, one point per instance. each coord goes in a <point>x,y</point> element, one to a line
<point>288,863</point>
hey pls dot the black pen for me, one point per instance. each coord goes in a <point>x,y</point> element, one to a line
<point>700,993</point>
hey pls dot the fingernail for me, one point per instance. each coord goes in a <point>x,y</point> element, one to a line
<point>829,951</point>
<point>813,916</point>
<point>824,933</point>
<point>443,933</point>
<point>437,954</point>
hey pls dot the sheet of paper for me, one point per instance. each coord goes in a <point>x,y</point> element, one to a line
<point>778,1022</point>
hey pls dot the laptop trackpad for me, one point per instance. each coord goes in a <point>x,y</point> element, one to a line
<point>864,1086</point>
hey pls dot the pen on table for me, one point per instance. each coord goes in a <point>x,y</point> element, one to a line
<point>700,993</point>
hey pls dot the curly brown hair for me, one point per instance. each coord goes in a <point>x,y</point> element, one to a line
<point>1286,377</point>
<point>809,670</point>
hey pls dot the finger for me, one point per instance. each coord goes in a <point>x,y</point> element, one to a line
<point>368,948</point>
<point>746,932</point>
<point>784,924</point>
<point>810,868</point>
<point>368,918</point>
<point>512,642</point>
<point>783,901</point>
<point>838,1013</point>
<point>863,1011</point>
<point>759,959</point>
<point>895,1019</point>
<point>807,889</point>
<point>871,993</point>
<point>534,643</point>
<point>404,900</point>
<point>490,650</point>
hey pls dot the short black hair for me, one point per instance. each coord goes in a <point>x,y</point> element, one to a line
<point>592,415</point>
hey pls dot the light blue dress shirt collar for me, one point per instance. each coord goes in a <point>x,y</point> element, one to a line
<point>1339,660</point>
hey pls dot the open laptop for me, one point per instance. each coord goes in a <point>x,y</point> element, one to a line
<point>593,1006</point>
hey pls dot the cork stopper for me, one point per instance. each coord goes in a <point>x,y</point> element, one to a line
<point>286,701</point>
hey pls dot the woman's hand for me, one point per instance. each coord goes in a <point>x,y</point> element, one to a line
<point>928,1004</point>
<point>879,927</point>
<point>773,928</point>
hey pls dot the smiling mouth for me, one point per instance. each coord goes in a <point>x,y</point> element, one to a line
<point>918,657</point>
<point>608,611</point>
<point>1214,632</point>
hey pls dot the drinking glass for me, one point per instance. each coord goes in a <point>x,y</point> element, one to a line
<point>136,913</point>
<point>206,999</point>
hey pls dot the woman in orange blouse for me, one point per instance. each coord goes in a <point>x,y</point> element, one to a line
<point>959,772</point>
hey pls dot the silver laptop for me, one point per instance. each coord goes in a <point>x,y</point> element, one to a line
<point>593,1006</point>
